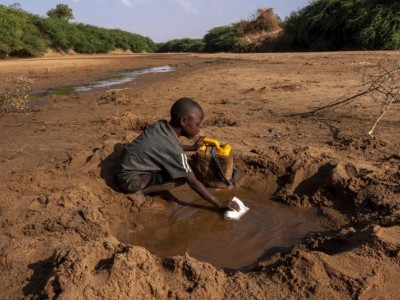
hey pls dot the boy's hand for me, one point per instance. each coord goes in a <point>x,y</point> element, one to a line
<point>198,143</point>
<point>232,205</point>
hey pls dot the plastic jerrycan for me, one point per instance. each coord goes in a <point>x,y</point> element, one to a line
<point>222,149</point>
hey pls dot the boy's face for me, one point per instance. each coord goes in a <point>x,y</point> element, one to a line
<point>191,123</point>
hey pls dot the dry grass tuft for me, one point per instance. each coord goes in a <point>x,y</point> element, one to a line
<point>261,33</point>
<point>260,41</point>
<point>264,20</point>
<point>16,97</point>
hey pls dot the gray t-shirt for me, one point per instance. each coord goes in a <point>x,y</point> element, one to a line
<point>156,149</point>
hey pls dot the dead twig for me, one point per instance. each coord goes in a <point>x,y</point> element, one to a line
<point>381,83</point>
<point>13,155</point>
<point>333,104</point>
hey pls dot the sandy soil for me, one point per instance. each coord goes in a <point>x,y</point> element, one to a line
<point>59,205</point>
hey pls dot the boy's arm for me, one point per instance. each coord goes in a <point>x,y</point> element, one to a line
<point>198,187</point>
<point>193,147</point>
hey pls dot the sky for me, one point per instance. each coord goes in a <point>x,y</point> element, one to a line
<point>161,20</point>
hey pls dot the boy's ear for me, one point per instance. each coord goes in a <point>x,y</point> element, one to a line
<point>182,121</point>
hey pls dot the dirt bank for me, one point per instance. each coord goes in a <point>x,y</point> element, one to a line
<point>60,206</point>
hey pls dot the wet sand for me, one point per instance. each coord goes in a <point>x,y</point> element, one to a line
<point>61,212</point>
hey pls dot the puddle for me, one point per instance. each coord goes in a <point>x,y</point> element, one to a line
<point>197,229</point>
<point>120,78</point>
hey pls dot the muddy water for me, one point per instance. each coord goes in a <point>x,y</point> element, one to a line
<point>196,228</point>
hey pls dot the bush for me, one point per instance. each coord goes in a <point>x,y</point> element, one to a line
<point>18,34</point>
<point>381,28</point>
<point>221,39</point>
<point>60,34</point>
<point>182,45</point>
<point>92,39</point>
<point>345,24</point>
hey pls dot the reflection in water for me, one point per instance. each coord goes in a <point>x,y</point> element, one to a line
<point>204,234</point>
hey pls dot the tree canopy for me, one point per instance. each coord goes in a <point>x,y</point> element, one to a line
<point>62,11</point>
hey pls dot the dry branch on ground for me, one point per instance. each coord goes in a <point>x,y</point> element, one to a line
<point>380,82</point>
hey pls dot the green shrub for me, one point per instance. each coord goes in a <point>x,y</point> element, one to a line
<point>18,34</point>
<point>92,39</point>
<point>221,39</point>
<point>60,34</point>
<point>345,24</point>
<point>182,45</point>
<point>382,26</point>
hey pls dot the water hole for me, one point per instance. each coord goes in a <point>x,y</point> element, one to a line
<point>196,228</point>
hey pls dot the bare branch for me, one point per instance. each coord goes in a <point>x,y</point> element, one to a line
<point>381,84</point>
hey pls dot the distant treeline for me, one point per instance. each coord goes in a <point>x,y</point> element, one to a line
<point>25,34</point>
<point>323,25</point>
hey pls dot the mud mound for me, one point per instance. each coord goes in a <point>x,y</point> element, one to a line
<point>307,177</point>
<point>312,182</point>
<point>110,271</point>
<point>271,161</point>
<point>312,270</point>
<point>106,269</point>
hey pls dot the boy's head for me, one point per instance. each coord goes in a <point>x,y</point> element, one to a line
<point>187,115</point>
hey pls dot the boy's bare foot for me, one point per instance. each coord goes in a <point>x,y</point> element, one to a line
<point>137,198</point>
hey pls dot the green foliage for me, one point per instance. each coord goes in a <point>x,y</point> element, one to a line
<point>62,11</point>
<point>182,45</point>
<point>60,34</point>
<point>92,39</point>
<point>345,24</point>
<point>221,39</point>
<point>24,34</point>
<point>381,28</point>
<point>18,34</point>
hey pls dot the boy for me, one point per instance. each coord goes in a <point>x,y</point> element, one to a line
<point>155,161</point>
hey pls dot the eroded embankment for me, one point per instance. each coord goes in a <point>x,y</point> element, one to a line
<point>83,204</point>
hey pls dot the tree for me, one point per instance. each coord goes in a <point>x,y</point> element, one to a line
<point>62,11</point>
